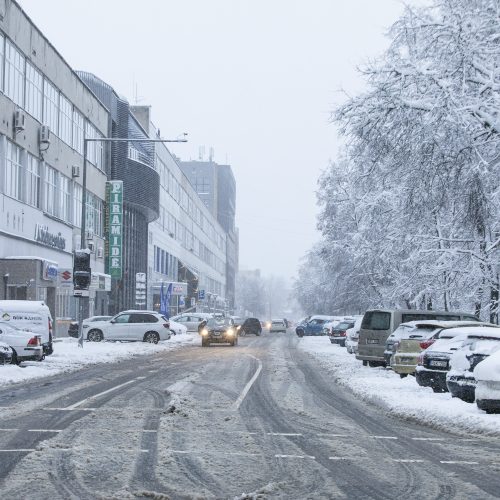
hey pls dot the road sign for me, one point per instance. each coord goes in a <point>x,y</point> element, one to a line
<point>201,294</point>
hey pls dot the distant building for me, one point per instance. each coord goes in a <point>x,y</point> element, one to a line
<point>216,187</point>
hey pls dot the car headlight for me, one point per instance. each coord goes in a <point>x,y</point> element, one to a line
<point>238,327</point>
<point>204,331</point>
<point>230,331</point>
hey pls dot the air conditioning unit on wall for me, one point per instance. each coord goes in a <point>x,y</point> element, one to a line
<point>19,120</point>
<point>75,171</point>
<point>45,134</point>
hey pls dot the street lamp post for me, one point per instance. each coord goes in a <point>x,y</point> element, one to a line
<point>86,140</point>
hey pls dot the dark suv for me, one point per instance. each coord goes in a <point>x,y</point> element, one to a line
<point>219,331</point>
<point>251,326</point>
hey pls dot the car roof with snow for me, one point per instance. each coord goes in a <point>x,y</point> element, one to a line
<point>477,332</point>
<point>489,369</point>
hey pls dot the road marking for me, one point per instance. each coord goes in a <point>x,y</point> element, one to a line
<point>339,458</point>
<point>44,430</point>
<point>407,461</point>
<point>249,384</point>
<point>140,378</point>
<point>71,409</point>
<point>428,439</point>
<point>19,450</point>
<point>149,430</point>
<point>332,435</point>
<point>295,456</point>
<point>283,434</point>
<point>458,462</point>
<point>76,405</point>
<point>144,451</point>
<point>9,430</point>
<point>384,437</point>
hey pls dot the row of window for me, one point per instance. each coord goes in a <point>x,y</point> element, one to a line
<point>41,186</point>
<point>165,263</point>
<point>172,186</point>
<point>21,81</point>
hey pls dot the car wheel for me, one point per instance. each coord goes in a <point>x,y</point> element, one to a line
<point>95,336</point>
<point>300,333</point>
<point>14,359</point>
<point>365,363</point>
<point>403,375</point>
<point>151,337</point>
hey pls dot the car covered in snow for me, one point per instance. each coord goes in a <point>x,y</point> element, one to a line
<point>219,331</point>
<point>6,353</point>
<point>475,348</point>
<point>26,346</point>
<point>73,327</point>
<point>352,335</point>
<point>487,375</point>
<point>177,328</point>
<point>338,332</point>
<point>434,362</point>
<point>277,325</point>
<point>315,325</point>
<point>132,326</point>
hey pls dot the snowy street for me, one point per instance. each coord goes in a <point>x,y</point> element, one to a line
<point>265,419</point>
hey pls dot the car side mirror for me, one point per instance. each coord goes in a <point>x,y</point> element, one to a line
<point>113,321</point>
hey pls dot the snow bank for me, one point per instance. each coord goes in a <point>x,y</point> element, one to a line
<point>401,397</point>
<point>68,357</point>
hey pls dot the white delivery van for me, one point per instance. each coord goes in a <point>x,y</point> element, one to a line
<point>30,315</point>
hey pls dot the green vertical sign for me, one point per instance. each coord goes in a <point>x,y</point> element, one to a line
<point>114,225</point>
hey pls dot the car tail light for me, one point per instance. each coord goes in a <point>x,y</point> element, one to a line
<point>426,343</point>
<point>34,341</point>
<point>342,333</point>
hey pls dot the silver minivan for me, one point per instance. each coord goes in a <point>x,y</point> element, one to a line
<point>378,324</point>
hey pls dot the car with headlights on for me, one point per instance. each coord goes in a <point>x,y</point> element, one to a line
<point>476,347</point>
<point>132,326</point>
<point>487,375</point>
<point>25,345</point>
<point>219,331</point>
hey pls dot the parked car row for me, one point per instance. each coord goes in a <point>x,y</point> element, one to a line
<point>442,350</point>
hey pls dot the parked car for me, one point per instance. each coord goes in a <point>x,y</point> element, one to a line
<point>338,333</point>
<point>191,320</point>
<point>414,337</point>
<point>476,347</point>
<point>352,335</point>
<point>6,353</point>
<point>378,324</point>
<point>31,315</point>
<point>177,328</point>
<point>277,325</point>
<point>218,331</point>
<point>315,325</point>
<point>487,375</point>
<point>73,326</point>
<point>25,345</point>
<point>146,326</point>
<point>433,363</point>
<point>251,326</point>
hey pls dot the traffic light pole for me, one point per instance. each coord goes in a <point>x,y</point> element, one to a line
<point>83,245</point>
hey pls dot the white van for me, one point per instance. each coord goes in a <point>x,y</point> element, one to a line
<point>31,315</point>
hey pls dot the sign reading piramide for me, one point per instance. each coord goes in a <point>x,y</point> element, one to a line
<point>114,228</point>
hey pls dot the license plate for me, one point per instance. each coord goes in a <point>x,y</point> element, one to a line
<point>216,333</point>
<point>372,341</point>
<point>406,360</point>
<point>438,363</point>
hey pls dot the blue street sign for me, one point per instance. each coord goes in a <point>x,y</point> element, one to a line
<point>201,294</point>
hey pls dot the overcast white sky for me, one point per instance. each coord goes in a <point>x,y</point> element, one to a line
<point>254,79</point>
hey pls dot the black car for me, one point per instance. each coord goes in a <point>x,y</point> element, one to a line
<point>219,331</point>
<point>251,326</point>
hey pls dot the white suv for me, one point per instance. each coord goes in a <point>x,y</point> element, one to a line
<point>142,326</point>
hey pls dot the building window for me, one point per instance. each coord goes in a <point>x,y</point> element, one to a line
<point>95,149</point>
<point>34,92</point>
<point>94,214</point>
<point>32,181</point>
<point>50,106</point>
<point>2,44</point>
<point>78,124</point>
<point>13,181</point>
<point>50,190</point>
<point>64,196</point>
<point>77,205</point>
<point>65,119</point>
<point>14,74</point>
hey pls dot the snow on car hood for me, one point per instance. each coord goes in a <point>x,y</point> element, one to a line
<point>489,369</point>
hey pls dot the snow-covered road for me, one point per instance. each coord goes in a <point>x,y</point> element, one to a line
<point>261,420</point>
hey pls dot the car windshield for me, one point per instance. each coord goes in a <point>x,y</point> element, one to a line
<point>219,322</point>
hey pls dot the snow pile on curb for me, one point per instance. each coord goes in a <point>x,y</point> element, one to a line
<point>401,397</point>
<point>68,357</point>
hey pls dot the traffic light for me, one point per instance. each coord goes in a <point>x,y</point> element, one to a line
<point>81,270</point>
